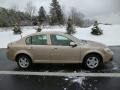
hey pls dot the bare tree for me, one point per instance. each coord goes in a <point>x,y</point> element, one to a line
<point>14,7</point>
<point>15,18</point>
<point>64,14</point>
<point>76,16</point>
<point>30,9</point>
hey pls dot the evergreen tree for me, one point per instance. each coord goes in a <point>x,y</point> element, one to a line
<point>39,29</point>
<point>96,30</point>
<point>56,13</point>
<point>42,15</point>
<point>70,28</point>
<point>17,29</point>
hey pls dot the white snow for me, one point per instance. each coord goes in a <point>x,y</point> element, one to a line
<point>78,80</point>
<point>110,37</point>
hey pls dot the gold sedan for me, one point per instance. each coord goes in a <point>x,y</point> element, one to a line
<point>57,47</point>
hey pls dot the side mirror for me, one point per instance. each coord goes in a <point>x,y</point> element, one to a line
<point>73,44</point>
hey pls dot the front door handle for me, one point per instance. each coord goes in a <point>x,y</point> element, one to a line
<point>29,48</point>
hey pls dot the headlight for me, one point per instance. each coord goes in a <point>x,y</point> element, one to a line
<point>107,50</point>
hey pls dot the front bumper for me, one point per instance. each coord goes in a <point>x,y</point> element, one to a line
<point>109,56</point>
<point>111,59</point>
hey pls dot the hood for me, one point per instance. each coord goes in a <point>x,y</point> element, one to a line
<point>93,43</point>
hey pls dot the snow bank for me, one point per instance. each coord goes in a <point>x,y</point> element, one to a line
<point>110,37</point>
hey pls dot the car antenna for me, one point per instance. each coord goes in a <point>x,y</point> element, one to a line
<point>21,35</point>
<point>10,36</point>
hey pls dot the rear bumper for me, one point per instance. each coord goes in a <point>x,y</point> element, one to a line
<point>10,55</point>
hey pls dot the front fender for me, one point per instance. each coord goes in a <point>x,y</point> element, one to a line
<point>90,52</point>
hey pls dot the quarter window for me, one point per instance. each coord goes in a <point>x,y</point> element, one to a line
<point>28,40</point>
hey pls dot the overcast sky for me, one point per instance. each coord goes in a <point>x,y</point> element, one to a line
<point>91,8</point>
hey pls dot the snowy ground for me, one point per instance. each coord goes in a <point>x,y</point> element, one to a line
<point>110,37</point>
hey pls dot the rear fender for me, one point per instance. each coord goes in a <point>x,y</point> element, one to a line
<point>23,52</point>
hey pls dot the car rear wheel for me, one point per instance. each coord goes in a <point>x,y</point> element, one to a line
<point>24,61</point>
<point>92,61</point>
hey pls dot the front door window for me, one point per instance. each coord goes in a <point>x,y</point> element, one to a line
<point>60,40</point>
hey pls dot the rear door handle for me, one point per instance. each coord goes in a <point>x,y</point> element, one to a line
<point>54,48</point>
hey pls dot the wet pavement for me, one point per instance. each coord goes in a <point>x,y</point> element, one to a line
<point>8,82</point>
<point>25,82</point>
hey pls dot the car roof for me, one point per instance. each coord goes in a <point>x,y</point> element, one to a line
<point>47,32</point>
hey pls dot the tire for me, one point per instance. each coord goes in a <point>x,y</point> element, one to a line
<point>92,61</point>
<point>24,61</point>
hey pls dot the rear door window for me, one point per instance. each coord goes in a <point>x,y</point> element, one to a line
<point>37,40</point>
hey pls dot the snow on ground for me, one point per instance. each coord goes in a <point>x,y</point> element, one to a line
<point>110,37</point>
<point>78,80</point>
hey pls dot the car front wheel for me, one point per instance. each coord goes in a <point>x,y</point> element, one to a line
<point>24,61</point>
<point>92,61</point>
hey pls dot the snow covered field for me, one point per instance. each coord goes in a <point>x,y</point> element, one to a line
<point>110,37</point>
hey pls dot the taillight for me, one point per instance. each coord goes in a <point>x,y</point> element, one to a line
<point>9,45</point>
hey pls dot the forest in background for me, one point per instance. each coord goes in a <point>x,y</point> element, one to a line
<point>56,16</point>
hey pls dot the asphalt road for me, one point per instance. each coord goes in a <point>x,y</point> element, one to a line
<point>32,82</point>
